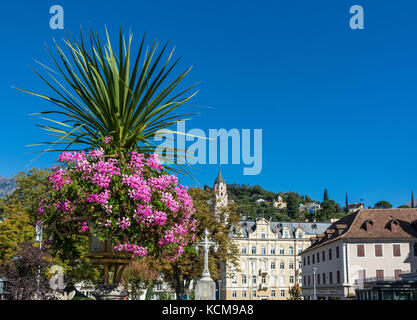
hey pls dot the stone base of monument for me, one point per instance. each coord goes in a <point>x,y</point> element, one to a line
<point>109,292</point>
<point>205,289</point>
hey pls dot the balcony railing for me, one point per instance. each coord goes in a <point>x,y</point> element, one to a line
<point>381,279</point>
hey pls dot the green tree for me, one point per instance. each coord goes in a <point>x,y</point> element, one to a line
<point>295,292</point>
<point>347,204</point>
<point>21,272</point>
<point>383,205</point>
<point>329,209</point>
<point>138,276</point>
<point>19,211</point>
<point>165,296</point>
<point>189,266</point>
<point>293,206</point>
<point>325,195</point>
<point>15,228</point>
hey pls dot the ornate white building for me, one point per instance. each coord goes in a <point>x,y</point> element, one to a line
<point>268,262</point>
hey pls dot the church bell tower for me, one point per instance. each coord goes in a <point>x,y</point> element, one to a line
<point>219,194</point>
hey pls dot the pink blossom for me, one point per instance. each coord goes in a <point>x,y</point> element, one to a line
<point>124,223</point>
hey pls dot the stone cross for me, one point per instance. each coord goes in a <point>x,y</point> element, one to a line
<point>206,244</point>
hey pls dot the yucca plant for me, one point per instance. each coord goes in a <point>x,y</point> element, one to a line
<point>102,92</point>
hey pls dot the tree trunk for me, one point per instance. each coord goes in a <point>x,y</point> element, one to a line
<point>179,291</point>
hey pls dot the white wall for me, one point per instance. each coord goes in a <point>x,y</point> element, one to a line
<point>406,262</point>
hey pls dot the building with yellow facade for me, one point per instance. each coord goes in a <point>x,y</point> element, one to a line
<point>269,263</point>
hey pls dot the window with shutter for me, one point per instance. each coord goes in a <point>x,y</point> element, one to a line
<point>338,276</point>
<point>380,275</point>
<point>362,275</point>
<point>324,278</point>
<point>337,252</point>
<point>397,273</point>
<point>396,250</point>
<point>330,277</point>
<point>378,250</point>
<point>360,250</point>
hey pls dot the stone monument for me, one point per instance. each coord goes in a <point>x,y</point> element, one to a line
<point>206,287</point>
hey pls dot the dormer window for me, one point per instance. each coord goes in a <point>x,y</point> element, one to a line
<point>285,234</point>
<point>394,225</point>
<point>340,228</point>
<point>368,225</point>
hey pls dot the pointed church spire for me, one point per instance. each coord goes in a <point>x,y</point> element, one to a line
<point>219,178</point>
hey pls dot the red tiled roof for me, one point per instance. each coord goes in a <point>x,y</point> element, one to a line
<point>353,225</point>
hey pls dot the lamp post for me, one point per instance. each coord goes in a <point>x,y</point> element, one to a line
<point>38,238</point>
<point>314,284</point>
<point>219,282</point>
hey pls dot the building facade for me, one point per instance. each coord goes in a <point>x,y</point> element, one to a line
<point>363,246</point>
<point>268,261</point>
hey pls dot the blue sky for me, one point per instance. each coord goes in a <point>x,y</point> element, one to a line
<point>337,106</point>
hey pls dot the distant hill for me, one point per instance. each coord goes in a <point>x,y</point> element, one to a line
<point>254,201</point>
<point>7,185</point>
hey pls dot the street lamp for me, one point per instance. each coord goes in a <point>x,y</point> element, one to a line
<point>314,284</point>
<point>219,282</point>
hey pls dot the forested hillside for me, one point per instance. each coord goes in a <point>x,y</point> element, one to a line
<point>254,201</point>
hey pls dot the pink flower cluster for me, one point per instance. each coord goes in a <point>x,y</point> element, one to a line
<point>59,178</point>
<point>138,251</point>
<point>153,162</point>
<point>107,140</point>
<point>63,206</point>
<point>148,216</point>
<point>133,201</point>
<point>84,226</point>
<point>123,223</point>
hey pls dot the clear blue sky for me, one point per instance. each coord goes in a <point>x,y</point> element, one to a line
<point>337,106</point>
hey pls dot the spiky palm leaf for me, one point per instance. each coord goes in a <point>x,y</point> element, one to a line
<point>99,94</point>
